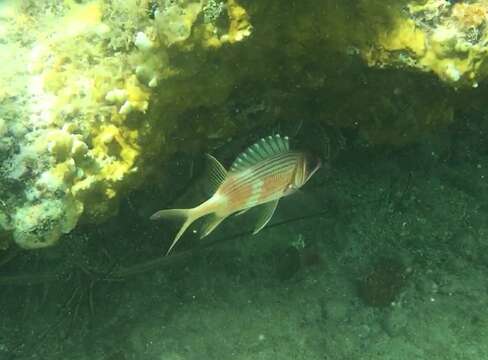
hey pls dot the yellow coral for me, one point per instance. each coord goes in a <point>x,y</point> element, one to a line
<point>90,104</point>
<point>137,97</point>
<point>446,38</point>
<point>115,150</point>
<point>470,15</point>
<point>404,36</point>
<point>239,27</point>
<point>82,18</point>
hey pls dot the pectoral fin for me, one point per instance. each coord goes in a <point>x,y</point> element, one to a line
<point>267,211</point>
<point>210,224</point>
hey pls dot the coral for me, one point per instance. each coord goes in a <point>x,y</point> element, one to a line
<point>94,70</point>
<point>239,27</point>
<point>445,37</point>
<point>41,225</point>
<point>174,22</point>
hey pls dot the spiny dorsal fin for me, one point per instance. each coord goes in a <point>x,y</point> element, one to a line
<point>216,173</point>
<point>261,150</point>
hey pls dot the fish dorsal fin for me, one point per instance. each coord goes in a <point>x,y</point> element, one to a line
<point>216,173</point>
<point>266,213</point>
<point>263,149</point>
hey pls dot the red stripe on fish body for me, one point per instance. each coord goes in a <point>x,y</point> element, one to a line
<point>274,186</point>
<point>265,181</point>
<point>236,196</point>
<point>240,197</point>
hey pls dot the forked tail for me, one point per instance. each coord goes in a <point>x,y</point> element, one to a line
<point>187,215</point>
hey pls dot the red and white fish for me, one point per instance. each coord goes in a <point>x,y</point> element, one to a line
<point>263,174</point>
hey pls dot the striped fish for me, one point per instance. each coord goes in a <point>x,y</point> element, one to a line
<point>263,174</point>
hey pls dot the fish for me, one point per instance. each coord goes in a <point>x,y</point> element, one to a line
<point>259,177</point>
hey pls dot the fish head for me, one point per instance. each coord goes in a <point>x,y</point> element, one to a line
<point>307,165</point>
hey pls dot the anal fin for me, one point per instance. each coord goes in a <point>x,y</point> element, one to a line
<point>241,212</point>
<point>210,224</point>
<point>267,211</point>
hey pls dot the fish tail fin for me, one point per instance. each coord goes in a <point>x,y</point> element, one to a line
<point>188,216</point>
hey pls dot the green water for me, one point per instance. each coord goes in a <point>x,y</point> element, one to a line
<point>393,267</point>
<point>382,255</point>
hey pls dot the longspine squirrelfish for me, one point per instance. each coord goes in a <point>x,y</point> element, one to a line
<point>264,173</point>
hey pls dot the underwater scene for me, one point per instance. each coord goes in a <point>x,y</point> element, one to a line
<point>243,179</point>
